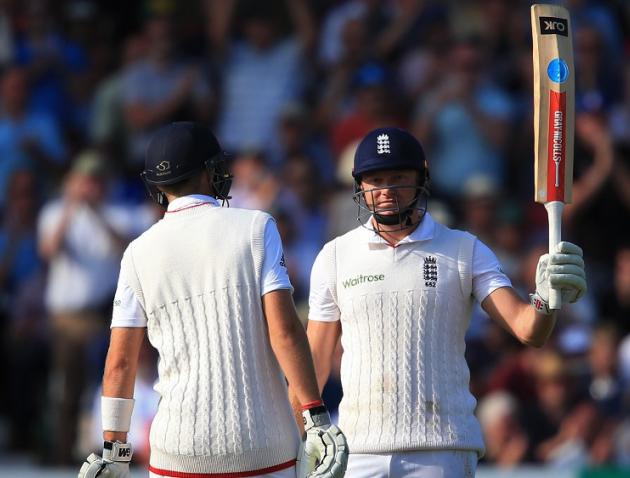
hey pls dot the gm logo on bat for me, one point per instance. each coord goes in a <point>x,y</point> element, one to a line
<point>554,26</point>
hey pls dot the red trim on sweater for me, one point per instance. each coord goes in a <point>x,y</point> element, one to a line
<point>236,474</point>
<point>188,207</point>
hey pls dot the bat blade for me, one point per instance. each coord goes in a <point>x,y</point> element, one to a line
<point>554,117</point>
<point>554,103</point>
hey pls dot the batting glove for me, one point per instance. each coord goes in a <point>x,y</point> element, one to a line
<point>113,464</point>
<point>562,270</point>
<point>324,451</point>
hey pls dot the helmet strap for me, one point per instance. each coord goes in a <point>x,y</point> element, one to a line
<point>403,217</point>
<point>158,196</point>
<point>220,177</point>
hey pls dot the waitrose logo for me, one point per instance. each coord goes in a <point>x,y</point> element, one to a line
<point>362,279</point>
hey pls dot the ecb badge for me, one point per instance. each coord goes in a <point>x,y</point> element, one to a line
<point>430,271</point>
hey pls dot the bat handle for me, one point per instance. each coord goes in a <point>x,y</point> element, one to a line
<point>554,215</point>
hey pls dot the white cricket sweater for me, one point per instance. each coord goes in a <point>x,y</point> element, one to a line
<point>224,405</point>
<point>404,312</point>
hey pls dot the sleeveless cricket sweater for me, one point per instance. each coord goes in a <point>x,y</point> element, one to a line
<point>404,312</point>
<point>224,405</point>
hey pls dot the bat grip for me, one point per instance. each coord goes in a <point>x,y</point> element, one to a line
<point>554,215</point>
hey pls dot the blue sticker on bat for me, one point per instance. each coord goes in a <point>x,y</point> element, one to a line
<point>558,70</point>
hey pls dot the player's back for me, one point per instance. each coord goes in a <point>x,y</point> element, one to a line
<point>224,406</point>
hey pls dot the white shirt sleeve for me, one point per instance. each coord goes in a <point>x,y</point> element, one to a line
<point>322,304</point>
<point>127,310</point>
<point>274,269</point>
<point>487,272</point>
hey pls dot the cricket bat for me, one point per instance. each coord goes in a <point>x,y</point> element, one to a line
<point>554,117</point>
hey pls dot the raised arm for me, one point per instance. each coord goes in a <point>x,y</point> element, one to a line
<point>303,24</point>
<point>532,322</point>
<point>518,317</point>
<point>219,14</point>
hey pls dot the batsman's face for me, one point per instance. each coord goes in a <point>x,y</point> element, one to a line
<point>387,191</point>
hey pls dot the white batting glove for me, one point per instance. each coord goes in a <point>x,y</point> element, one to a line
<point>113,464</point>
<point>324,452</point>
<point>562,270</point>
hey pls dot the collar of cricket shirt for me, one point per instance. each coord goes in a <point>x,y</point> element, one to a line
<point>193,200</point>
<point>423,232</point>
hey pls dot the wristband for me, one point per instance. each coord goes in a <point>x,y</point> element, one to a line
<point>313,404</point>
<point>116,413</point>
<point>315,417</point>
<point>539,304</point>
<point>117,451</point>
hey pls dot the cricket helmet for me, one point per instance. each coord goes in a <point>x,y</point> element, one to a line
<point>390,148</point>
<point>180,150</point>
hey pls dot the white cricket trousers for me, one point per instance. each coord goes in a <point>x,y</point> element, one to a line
<point>416,464</point>
<point>286,473</point>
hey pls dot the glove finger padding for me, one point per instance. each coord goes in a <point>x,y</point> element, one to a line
<point>92,465</point>
<point>561,259</point>
<point>562,270</point>
<point>565,247</point>
<point>308,457</point>
<point>97,467</point>
<point>335,460</point>
<point>572,287</point>
<point>569,278</point>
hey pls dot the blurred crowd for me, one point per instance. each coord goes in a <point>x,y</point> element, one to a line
<point>290,86</point>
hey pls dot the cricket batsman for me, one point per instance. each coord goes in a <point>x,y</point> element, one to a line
<point>398,290</point>
<point>209,286</point>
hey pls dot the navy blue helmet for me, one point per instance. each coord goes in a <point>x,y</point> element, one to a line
<point>179,150</point>
<point>390,148</point>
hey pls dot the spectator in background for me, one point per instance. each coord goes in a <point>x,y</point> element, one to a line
<point>619,115</point>
<point>161,89</point>
<point>597,201</point>
<point>597,78</point>
<point>342,26</point>
<point>108,129</point>
<point>255,185</point>
<point>339,211</point>
<point>506,442</point>
<point>261,72</point>
<point>53,63</point>
<point>615,302</point>
<point>374,106</point>
<point>562,422</point>
<point>24,335</point>
<point>600,16</point>
<point>605,383</point>
<point>82,237</point>
<point>297,137</point>
<point>509,235</point>
<point>6,33</point>
<point>19,259</point>
<point>28,140</point>
<point>464,121</point>
<point>303,184</point>
<point>19,266</point>
<point>292,259</point>
<point>481,197</point>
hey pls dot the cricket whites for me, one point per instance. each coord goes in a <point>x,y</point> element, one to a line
<point>554,117</point>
